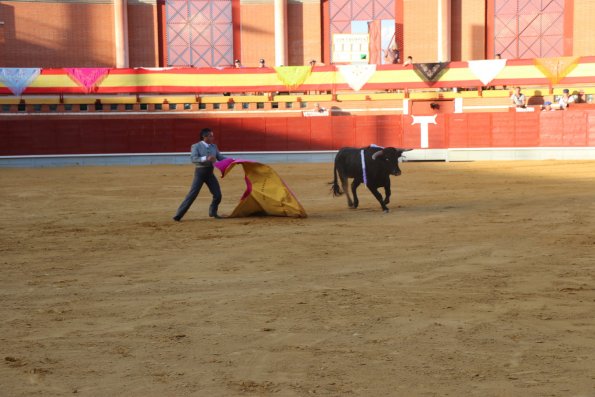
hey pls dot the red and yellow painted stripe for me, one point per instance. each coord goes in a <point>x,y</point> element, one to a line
<point>323,78</point>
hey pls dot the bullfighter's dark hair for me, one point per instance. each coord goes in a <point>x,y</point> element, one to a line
<point>205,133</point>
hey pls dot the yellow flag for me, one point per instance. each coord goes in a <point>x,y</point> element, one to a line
<point>555,69</point>
<point>293,76</point>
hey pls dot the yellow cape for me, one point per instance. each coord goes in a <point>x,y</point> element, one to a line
<point>266,193</point>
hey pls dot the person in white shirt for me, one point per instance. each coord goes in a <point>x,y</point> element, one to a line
<point>518,99</point>
<point>566,99</point>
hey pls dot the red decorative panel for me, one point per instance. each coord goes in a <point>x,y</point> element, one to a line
<point>575,129</point>
<point>384,9</point>
<point>199,32</point>
<point>590,128</point>
<point>570,128</point>
<point>165,139</point>
<point>503,125</point>
<point>479,130</point>
<point>343,12</point>
<point>298,134</point>
<point>411,133</point>
<point>343,129</point>
<point>321,136</point>
<point>458,136</point>
<point>437,137</point>
<point>365,131</point>
<point>527,130</point>
<point>529,28</point>
<point>254,134</point>
<point>340,10</point>
<point>115,136</point>
<point>389,130</point>
<point>362,10</point>
<point>68,139</point>
<point>551,125</point>
<point>231,135</point>
<point>276,134</point>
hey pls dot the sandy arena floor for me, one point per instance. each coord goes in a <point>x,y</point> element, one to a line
<point>479,282</point>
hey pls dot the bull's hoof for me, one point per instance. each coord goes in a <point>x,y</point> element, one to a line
<point>386,210</point>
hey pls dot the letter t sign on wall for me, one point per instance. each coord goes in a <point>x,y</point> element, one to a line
<point>424,121</point>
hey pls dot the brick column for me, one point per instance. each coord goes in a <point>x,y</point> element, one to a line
<point>280,32</point>
<point>443,38</point>
<point>121,33</point>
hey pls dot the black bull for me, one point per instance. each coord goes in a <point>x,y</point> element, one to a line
<point>379,162</point>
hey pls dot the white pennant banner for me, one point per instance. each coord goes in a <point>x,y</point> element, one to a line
<point>356,76</point>
<point>487,69</point>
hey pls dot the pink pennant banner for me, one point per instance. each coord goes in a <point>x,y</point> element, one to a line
<point>89,78</point>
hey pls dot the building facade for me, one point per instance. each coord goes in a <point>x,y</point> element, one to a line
<point>149,33</point>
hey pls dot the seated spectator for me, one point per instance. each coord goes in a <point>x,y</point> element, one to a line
<point>408,61</point>
<point>581,97</point>
<point>566,99</point>
<point>547,107</point>
<point>518,99</point>
<point>261,63</point>
<point>318,108</point>
<point>317,111</point>
<point>237,64</point>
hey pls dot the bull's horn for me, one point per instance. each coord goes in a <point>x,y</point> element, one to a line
<point>379,153</point>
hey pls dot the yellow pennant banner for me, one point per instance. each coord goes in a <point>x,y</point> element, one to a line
<point>555,69</point>
<point>293,76</point>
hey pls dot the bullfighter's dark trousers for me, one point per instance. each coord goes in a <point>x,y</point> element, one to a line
<point>202,175</point>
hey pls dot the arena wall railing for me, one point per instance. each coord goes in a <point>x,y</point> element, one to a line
<point>158,112</point>
<point>70,135</point>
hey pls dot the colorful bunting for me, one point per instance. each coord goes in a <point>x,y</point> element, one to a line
<point>486,70</point>
<point>430,72</point>
<point>358,75</point>
<point>555,69</point>
<point>89,78</point>
<point>293,76</point>
<point>18,79</point>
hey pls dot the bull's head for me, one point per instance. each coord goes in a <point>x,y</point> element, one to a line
<point>390,158</point>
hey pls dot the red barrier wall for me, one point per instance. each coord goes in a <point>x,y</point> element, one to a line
<point>92,135</point>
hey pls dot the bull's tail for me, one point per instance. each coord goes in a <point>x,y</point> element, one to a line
<point>336,189</point>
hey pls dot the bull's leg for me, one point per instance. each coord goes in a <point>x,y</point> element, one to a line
<point>346,190</point>
<point>378,196</point>
<point>387,191</point>
<point>354,186</point>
